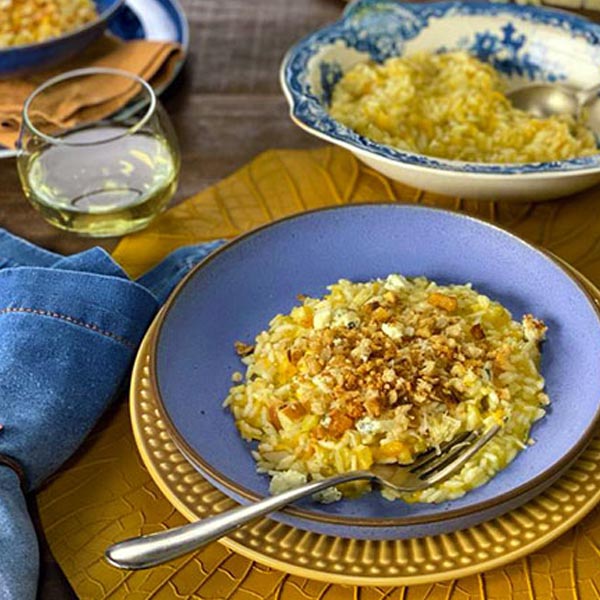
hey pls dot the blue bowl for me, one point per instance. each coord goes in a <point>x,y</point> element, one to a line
<point>235,292</point>
<point>20,60</point>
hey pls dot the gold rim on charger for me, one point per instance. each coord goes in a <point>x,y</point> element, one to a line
<point>364,562</point>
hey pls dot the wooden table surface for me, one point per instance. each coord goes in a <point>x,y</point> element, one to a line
<point>226,107</point>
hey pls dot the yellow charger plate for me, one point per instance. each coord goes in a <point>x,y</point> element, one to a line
<point>362,562</point>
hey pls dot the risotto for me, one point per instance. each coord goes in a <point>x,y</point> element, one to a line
<point>379,372</point>
<point>451,106</point>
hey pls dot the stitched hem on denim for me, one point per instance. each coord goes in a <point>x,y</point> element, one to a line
<point>71,320</point>
<point>112,304</point>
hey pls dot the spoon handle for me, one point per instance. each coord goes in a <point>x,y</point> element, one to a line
<point>154,549</point>
<point>584,96</point>
<point>8,153</point>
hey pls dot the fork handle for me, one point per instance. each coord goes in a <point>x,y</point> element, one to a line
<point>154,549</point>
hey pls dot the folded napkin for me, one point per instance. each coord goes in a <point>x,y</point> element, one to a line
<point>151,60</point>
<point>69,329</point>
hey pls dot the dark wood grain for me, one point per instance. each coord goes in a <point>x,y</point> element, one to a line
<point>226,107</point>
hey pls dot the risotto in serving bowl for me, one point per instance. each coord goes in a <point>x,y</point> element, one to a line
<point>417,92</point>
<point>452,105</point>
<point>236,292</point>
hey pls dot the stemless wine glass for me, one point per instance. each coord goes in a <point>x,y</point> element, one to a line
<point>97,154</point>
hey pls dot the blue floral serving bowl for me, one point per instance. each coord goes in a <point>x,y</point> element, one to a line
<point>525,43</point>
<point>19,60</point>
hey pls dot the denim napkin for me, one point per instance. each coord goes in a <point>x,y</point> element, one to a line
<point>69,330</point>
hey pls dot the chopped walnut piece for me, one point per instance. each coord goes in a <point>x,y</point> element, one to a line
<point>423,390</point>
<point>373,406</point>
<point>313,365</point>
<point>243,349</point>
<point>423,332</point>
<point>477,332</point>
<point>534,330</point>
<point>294,354</point>
<point>350,381</point>
<point>447,303</point>
<point>354,407</point>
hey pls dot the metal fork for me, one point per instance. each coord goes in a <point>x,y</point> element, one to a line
<point>429,469</point>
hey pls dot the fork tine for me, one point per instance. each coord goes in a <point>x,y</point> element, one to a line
<point>431,455</point>
<point>448,455</point>
<point>447,470</point>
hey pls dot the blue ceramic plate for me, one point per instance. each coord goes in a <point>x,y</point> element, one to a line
<point>235,292</point>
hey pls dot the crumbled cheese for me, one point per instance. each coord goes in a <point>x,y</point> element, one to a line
<point>286,480</point>
<point>533,329</point>
<point>345,318</point>
<point>322,318</point>
<point>367,426</point>
<point>328,496</point>
<point>453,330</point>
<point>395,283</point>
<point>393,331</point>
<point>362,351</point>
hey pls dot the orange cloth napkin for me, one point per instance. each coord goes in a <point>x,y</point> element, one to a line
<point>106,494</point>
<point>153,61</point>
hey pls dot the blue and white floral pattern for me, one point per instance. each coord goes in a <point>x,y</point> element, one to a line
<point>331,73</point>
<point>510,37</point>
<point>507,54</point>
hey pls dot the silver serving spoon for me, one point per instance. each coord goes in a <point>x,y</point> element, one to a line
<point>429,469</point>
<point>547,99</point>
<point>8,153</point>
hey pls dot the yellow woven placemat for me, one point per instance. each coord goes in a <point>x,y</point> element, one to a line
<point>105,494</point>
